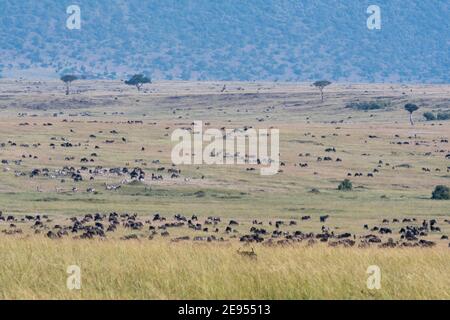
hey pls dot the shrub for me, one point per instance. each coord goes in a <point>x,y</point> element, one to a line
<point>345,185</point>
<point>429,116</point>
<point>368,105</point>
<point>443,116</point>
<point>200,194</point>
<point>441,193</point>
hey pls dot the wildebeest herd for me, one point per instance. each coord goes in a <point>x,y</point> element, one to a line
<point>406,232</point>
<point>87,159</point>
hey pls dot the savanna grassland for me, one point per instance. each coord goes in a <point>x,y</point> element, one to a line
<point>46,137</point>
<point>36,269</point>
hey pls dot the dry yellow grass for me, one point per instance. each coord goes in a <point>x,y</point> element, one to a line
<point>36,269</point>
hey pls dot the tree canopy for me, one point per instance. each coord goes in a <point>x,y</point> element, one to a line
<point>321,85</point>
<point>411,107</point>
<point>68,78</point>
<point>138,80</point>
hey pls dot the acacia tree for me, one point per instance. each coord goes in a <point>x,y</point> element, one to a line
<point>411,107</point>
<point>321,85</point>
<point>138,80</point>
<point>68,79</point>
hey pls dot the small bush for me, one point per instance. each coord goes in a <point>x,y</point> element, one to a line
<point>368,105</point>
<point>200,194</point>
<point>441,193</point>
<point>345,185</point>
<point>429,116</point>
<point>443,116</point>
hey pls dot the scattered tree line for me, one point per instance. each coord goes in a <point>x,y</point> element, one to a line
<point>410,107</point>
<point>137,80</point>
<point>378,105</point>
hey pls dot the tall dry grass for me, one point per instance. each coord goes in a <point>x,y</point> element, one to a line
<point>36,269</point>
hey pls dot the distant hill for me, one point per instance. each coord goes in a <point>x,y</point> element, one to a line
<point>284,40</point>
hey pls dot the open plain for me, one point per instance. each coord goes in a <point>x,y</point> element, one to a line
<point>87,179</point>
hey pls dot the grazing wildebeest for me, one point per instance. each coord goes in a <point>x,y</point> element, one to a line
<point>426,243</point>
<point>385,230</point>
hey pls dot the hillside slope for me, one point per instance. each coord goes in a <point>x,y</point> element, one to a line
<point>282,40</point>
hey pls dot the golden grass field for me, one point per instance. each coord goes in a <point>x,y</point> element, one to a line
<point>34,267</point>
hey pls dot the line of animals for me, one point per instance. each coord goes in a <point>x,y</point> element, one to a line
<point>76,174</point>
<point>65,143</point>
<point>411,233</point>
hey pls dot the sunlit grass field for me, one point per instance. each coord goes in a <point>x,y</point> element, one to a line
<point>36,269</point>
